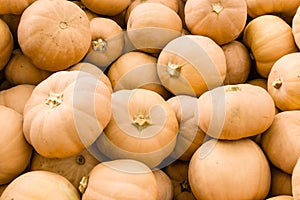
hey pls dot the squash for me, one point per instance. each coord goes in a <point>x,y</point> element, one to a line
<point>227,112</point>
<point>13,22</point>
<point>2,188</point>
<point>145,121</point>
<point>283,82</point>
<point>90,14</point>
<point>164,185</point>
<point>136,69</point>
<point>106,7</point>
<point>191,65</point>
<point>15,152</point>
<point>296,26</point>
<point>6,44</point>
<point>280,141</point>
<point>238,62</point>
<point>21,70</point>
<point>229,170</point>
<point>281,182</point>
<point>54,34</point>
<point>269,38</point>
<point>107,43</point>
<point>281,197</point>
<point>227,16</point>
<point>72,107</point>
<point>262,82</point>
<point>296,180</point>
<point>14,6</point>
<point>36,185</point>
<point>120,179</point>
<point>148,34</point>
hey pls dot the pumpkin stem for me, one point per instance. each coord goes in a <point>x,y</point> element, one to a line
<point>141,121</point>
<point>83,184</point>
<point>277,83</point>
<point>174,69</point>
<point>99,45</point>
<point>54,99</point>
<point>217,7</point>
<point>80,160</point>
<point>185,186</point>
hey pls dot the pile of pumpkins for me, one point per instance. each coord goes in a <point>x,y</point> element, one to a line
<point>150,99</point>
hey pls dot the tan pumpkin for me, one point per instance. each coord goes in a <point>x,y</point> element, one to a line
<point>107,43</point>
<point>280,141</point>
<point>14,6</point>
<point>191,65</point>
<point>54,34</point>
<point>21,70</point>
<point>238,62</point>
<point>227,112</point>
<point>136,69</point>
<point>6,44</point>
<point>120,179</point>
<point>148,34</point>
<point>145,121</point>
<point>283,82</point>
<point>281,183</point>
<point>106,7</point>
<point>262,82</point>
<point>13,22</point>
<point>231,170</point>
<point>40,185</point>
<point>296,26</point>
<point>296,180</point>
<point>16,97</point>
<point>164,185</point>
<point>15,152</point>
<point>281,197</point>
<point>269,38</point>
<point>223,21</point>
<point>72,107</point>
<point>90,14</point>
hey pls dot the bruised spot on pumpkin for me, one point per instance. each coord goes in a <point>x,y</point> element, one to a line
<point>233,88</point>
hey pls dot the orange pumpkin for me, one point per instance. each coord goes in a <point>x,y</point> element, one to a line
<point>6,44</point>
<point>262,82</point>
<point>236,169</point>
<point>296,180</point>
<point>281,197</point>
<point>87,11</point>
<point>54,34</point>
<point>66,113</point>
<point>296,26</point>
<point>281,183</point>
<point>106,7</point>
<point>164,185</point>
<point>13,22</point>
<point>13,6</point>
<point>223,21</point>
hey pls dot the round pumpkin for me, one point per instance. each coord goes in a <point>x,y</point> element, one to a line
<point>66,113</point>
<point>54,34</point>
<point>227,112</point>
<point>120,179</point>
<point>262,82</point>
<point>15,7</point>
<point>281,197</point>
<point>13,22</point>
<point>269,38</point>
<point>6,44</point>
<point>232,170</point>
<point>164,185</point>
<point>145,121</point>
<point>40,185</point>
<point>296,26</point>
<point>281,182</point>
<point>296,180</point>
<point>191,65</point>
<point>90,14</point>
<point>106,7</point>
<point>223,21</point>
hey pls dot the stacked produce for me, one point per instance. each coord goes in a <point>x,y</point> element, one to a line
<point>149,99</point>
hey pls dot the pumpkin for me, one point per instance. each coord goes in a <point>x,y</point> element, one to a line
<point>238,62</point>
<point>262,82</point>
<point>164,185</point>
<point>281,197</point>
<point>227,112</point>
<point>280,141</point>
<point>107,43</point>
<point>148,34</point>
<point>124,71</point>
<point>296,26</point>
<point>54,34</point>
<point>13,22</point>
<point>296,180</point>
<point>21,70</point>
<point>120,179</point>
<point>106,7</point>
<point>236,169</point>
<point>191,65</point>
<point>66,113</point>
<point>40,185</point>
<point>190,136</point>
<point>87,11</point>
<point>16,97</point>
<point>269,38</point>
<point>283,81</point>
<point>281,182</point>
<point>2,188</point>
<point>13,6</point>
<point>145,121</point>
<point>15,152</point>
<point>227,16</point>
<point>6,44</point>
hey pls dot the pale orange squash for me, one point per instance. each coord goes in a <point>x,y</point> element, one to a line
<point>54,34</point>
<point>164,185</point>
<point>15,7</point>
<point>281,197</point>
<point>262,82</point>
<point>13,22</point>
<point>90,14</point>
<point>296,180</point>
<point>106,7</point>
<point>6,44</point>
<point>281,182</point>
<point>296,27</point>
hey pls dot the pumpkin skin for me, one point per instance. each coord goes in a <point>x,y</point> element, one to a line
<point>227,118</point>
<point>54,34</point>
<point>40,185</point>
<point>148,34</point>
<point>106,7</point>
<point>13,160</point>
<point>228,18</point>
<point>296,180</point>
<point>145,121</point>
<point>13,22</point>
<point>296,27</point>
<point>280,141</point>
<point>14,7</point>
<point>6,44</point>
<point>192,70</point>
<point>88,12</point>
<point>281,197</point>
<point>164,185</point>
<point>281,183</point>
<point>261,82</point>
<point>284,81</point>
<point>120,179</point>
<point>214,166</point>
<point>56,104</point>
<point>269,38</point>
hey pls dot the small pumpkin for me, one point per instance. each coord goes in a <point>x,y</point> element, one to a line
<point>6,43</point>
<point>281,182</point>
<point>14,7</point>
<point>164,185</point>
<point>106,7</point>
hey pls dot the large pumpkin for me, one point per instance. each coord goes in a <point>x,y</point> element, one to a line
<point>15,7</point>
<point>54,34</point>
<point>106,7</point>
<point>66,113</point>
<point>229,170</point>
<point>6,44</point>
